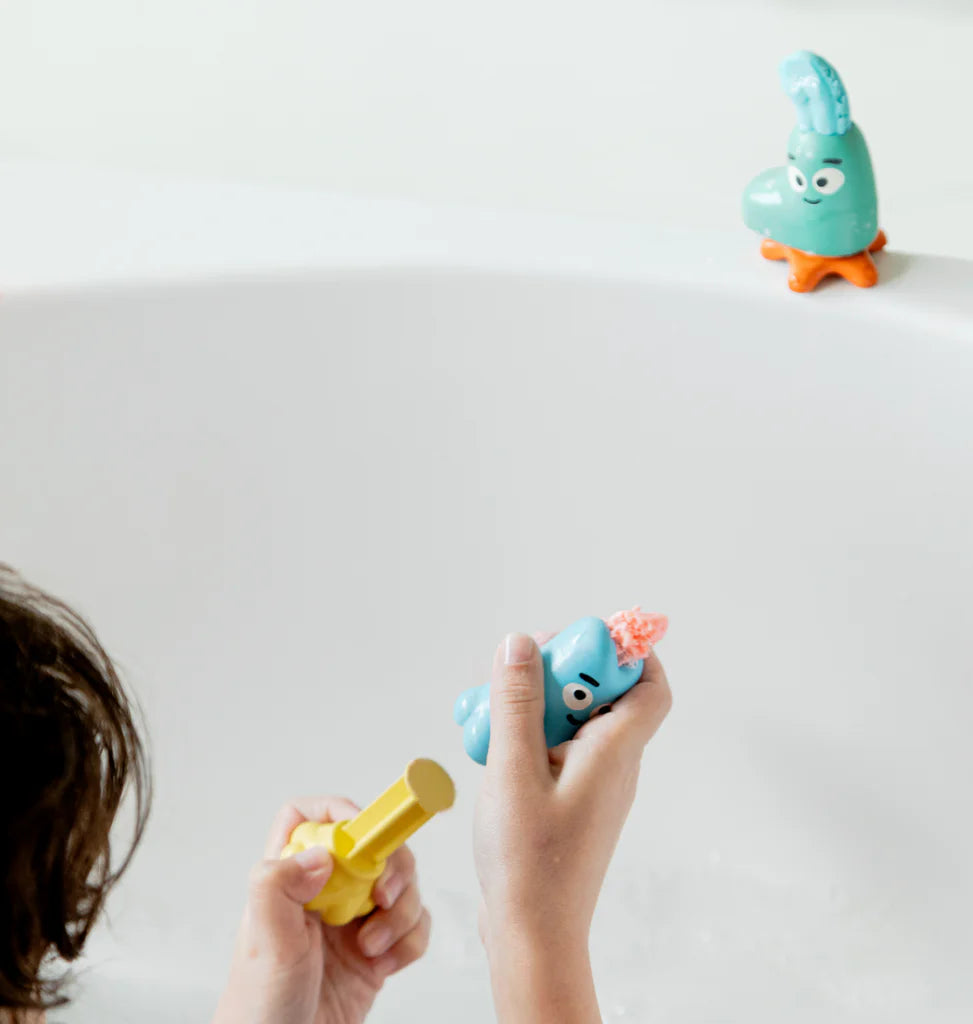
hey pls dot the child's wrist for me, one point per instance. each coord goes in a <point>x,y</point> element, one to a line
<point>516,954</point>
<point>520,926</point>
<point>540,977</point>
<point>542,949</point>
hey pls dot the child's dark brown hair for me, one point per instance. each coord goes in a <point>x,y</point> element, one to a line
<point>69,751</point>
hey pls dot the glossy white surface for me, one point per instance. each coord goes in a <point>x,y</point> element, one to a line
<point>301,507</point>
<point>657,112</point>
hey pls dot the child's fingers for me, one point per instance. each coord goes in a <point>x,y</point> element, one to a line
<point>384,928</point>
<point>399,872</point>
<point>315,808</point>
<point>542,637</point>
<point>637,715</point>
<point>652,670</point>
<point>280,888</point>
<point>517,745</point>
<point>288,818</point>
<point>620,737</point>
<point>408,949</point>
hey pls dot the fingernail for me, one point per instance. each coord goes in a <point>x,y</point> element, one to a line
<point>517,649</point>
<point>313,859</point>
<point>375,939</point>
<point>390,892</point>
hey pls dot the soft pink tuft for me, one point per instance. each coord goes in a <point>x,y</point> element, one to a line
<point>635,633</point>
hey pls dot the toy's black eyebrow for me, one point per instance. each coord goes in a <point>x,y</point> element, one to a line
<point>589,679</point>
<point>831,160</point>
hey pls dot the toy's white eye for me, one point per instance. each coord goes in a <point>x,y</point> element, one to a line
<point>576,696</point>
<point>797,180</point>
<point>828,180</point>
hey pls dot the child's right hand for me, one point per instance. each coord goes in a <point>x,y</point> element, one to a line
<point>547,823</point>
<point>291,968</point>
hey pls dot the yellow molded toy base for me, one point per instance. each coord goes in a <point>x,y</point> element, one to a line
<point>348,892</point>
<point>361,846</point>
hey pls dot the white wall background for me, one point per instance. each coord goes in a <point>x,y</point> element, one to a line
<point>653,111</point>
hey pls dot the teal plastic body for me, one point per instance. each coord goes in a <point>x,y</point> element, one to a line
<point>823,200</point>
<point>582,678</point>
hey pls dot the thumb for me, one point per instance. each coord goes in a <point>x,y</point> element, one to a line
<point>517,708</point>
<point>280,888</point>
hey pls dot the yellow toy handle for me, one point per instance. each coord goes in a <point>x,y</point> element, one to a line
<point>361,845</point>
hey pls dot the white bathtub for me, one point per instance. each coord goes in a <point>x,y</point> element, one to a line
<point>302,508</point>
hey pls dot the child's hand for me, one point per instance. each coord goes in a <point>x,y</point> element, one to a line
<point>546,826</point>
<point>289,967</point>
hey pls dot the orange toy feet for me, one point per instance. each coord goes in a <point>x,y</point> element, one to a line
<point>809,270</point>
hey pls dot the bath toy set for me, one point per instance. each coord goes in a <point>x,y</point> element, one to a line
<point>819,211</point>
<point>361,846</point>
<point>587,667</point>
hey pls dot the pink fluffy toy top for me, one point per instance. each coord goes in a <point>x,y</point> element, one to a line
<point>635,633</point>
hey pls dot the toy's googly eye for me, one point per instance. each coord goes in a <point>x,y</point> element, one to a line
<point>797,180</point>
<point>603,709</point>
<point>576,696</point>
<point>828,180</point>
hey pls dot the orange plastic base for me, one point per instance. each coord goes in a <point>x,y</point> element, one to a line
<point>808,270</point>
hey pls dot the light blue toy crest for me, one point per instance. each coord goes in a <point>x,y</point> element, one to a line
<point>582,678</point>
<point>820,211</point>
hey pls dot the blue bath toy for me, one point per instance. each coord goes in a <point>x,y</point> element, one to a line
<point>820,211</point>
<point>587,667</point>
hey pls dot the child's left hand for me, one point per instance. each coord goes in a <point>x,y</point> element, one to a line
<point>289,967</point>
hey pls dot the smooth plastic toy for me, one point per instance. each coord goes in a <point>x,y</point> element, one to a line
<point>820,211</point>
<point>587,667</point>
<point>362,845</point>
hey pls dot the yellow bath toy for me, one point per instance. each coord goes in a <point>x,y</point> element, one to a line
<point>361,845</point>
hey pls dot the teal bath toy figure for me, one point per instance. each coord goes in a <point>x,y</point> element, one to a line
<point>587,667</point>
<point>820,211</point>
